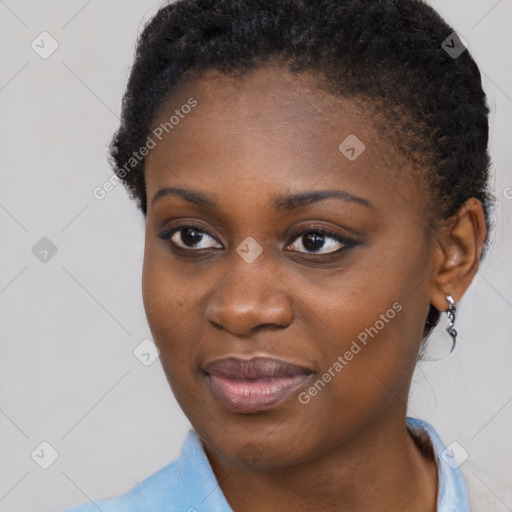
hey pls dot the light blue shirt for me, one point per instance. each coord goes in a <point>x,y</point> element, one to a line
<point>188,484</point>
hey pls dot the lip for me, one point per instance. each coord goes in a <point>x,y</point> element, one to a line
<point>251,385</point>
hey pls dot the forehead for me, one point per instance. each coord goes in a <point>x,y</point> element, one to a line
<point>275,130</point>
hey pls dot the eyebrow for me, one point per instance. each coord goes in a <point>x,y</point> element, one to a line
<point>286,202</point>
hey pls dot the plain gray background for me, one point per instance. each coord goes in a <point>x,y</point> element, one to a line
<point>69,325</point>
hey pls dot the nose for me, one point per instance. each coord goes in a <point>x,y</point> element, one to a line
<point>249,297</point>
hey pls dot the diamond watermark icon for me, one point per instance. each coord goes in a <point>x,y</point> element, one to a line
<point>454,45</point>
<point>44,45</point>
<point>44,250</point>
<point>249,454</point>
<point>454,454</point>
<point>249,249</point>
<point>44,455</point>
<point>351,147</point>
<point>146,352</point>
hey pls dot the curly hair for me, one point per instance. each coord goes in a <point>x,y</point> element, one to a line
<point>387,52</point>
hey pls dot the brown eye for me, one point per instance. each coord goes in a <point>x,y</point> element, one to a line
<point>320,241</point>
<point>190,237</point>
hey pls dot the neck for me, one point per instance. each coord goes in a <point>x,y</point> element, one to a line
<point>380,469</point>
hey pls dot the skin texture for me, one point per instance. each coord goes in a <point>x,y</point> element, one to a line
<point>248,140</point>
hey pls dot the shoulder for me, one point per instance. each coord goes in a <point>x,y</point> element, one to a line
<point>160,487</point>
<point>169,489</point>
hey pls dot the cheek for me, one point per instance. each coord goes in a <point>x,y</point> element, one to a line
<point>372,318</point>
<point>168,300</point>
<point>366,361</point>
<point>170,303</point>
<point>161,302</point>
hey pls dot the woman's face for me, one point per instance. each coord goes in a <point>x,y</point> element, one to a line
<point>237,271</point>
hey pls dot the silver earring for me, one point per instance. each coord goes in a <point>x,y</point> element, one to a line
<point>450,313</point>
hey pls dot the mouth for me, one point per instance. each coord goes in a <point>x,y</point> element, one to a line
<point>251,385</point>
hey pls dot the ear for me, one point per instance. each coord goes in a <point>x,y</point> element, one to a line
<point>457,254</point>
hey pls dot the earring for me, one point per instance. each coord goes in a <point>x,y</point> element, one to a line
<point>450,313</point>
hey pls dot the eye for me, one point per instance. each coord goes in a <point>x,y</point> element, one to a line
<point>321,241</point>
<point>190,237</point>
<point>308,241</point>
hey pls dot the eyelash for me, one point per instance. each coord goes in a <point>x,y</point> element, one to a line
<point>347,243</point>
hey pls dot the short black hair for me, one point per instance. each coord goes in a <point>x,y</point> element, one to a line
<point>391,52</point>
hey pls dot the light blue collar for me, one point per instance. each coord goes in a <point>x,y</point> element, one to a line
<point>452,494</point>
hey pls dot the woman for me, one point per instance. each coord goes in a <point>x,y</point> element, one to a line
<point>314,176</point>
